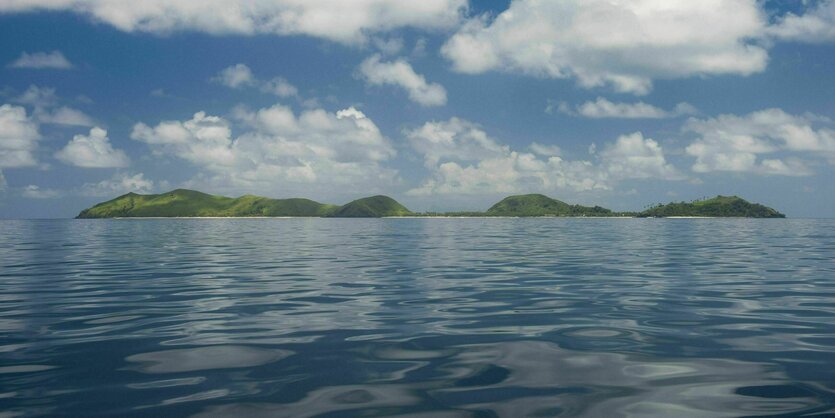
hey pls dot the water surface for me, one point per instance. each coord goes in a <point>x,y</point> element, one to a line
<point>417,317</point>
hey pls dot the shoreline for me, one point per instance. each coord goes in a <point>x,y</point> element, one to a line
<point>422,217</point>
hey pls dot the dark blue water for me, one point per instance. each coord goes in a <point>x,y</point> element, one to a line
<point>417,317</point>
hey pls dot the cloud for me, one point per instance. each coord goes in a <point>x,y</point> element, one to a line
<point>34,192</point>
<point>390,46</point>
<point>816,25</point>
<point>277,151</point>
<point>92,151</point>
<point>46,109</point>
<point>240,75</point>
<point>65,116</point>
<point>279,87</point>
<point>463,159</point>
<point>3,184</point>
<point>735,143</point>
<point>625,45</point>
<point>18,137</point>
<point>348,22</point>
<point>41,60</point>
<point>119,184</point>
<point>203,140</point>
<point>400,73</point>
<point>602,108</point>
<point>545,150</point>
<point>635,157</point>
<point>456,140</point>
<point>38,96</point>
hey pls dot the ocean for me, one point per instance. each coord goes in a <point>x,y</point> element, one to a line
<point>417,317</point>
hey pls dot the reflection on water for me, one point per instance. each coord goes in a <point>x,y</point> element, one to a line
<point>417,317</point>
<point>204,358</point>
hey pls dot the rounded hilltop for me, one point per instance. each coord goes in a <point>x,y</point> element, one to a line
<point>372,207</point>
<point>717,207</point>
<point>541,205</point>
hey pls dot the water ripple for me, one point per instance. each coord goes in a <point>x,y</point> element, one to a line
<point>417,317</point>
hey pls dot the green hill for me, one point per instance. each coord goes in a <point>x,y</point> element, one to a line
<point>719,206</point>
<point>190,203</point>
<point>371,207</point>
<point>541,205</point>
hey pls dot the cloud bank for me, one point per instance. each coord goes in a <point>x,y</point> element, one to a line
<point>278,152</point>
<point>738,143</point>
<point>463,159</point>
<point>624,45</point>
<point>348,22</point>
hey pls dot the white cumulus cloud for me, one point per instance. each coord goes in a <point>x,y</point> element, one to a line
<point>119,184</point>
<point>40,60</point>
<point>235,76</point>
<point>736,143</point>
<point>19,137</point>
<point>635,157</point>
<point>602,108</point>
<point>622,44</point>
<point>815,25</point>
<point>463,159</point>
<point>401,74</point>
<point>278,152</point>
<point>340,21</point>
<point>92,151</point>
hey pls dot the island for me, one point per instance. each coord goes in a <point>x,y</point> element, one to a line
<point>717,207</point>
<point>193,204</point>
<point>185,203</point>
<point>540,205</point>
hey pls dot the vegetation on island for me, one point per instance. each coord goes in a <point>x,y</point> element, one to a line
<point>371,207</point>
<point>719,206</point>
<point>190,203</point>
<point>541,205</point>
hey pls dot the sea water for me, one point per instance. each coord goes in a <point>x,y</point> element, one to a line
<point>417,317</point>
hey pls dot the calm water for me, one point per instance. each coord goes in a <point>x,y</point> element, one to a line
<point>417,317</point>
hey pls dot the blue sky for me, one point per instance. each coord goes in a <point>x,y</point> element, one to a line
<point>443,104</point>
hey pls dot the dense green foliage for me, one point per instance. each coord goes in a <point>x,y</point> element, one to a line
<point>371,207</point>
<point>190,203</point>
<point>719,206</point>
<point>541,205</point>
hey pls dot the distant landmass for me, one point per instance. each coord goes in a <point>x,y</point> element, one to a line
<point>191,203</point>
<point>541,205</point>
<point>371,207</point>
<point>717,207</point>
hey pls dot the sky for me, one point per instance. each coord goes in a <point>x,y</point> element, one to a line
<point>441,104</point>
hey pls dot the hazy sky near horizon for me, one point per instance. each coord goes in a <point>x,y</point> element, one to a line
<point>441,104</point>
